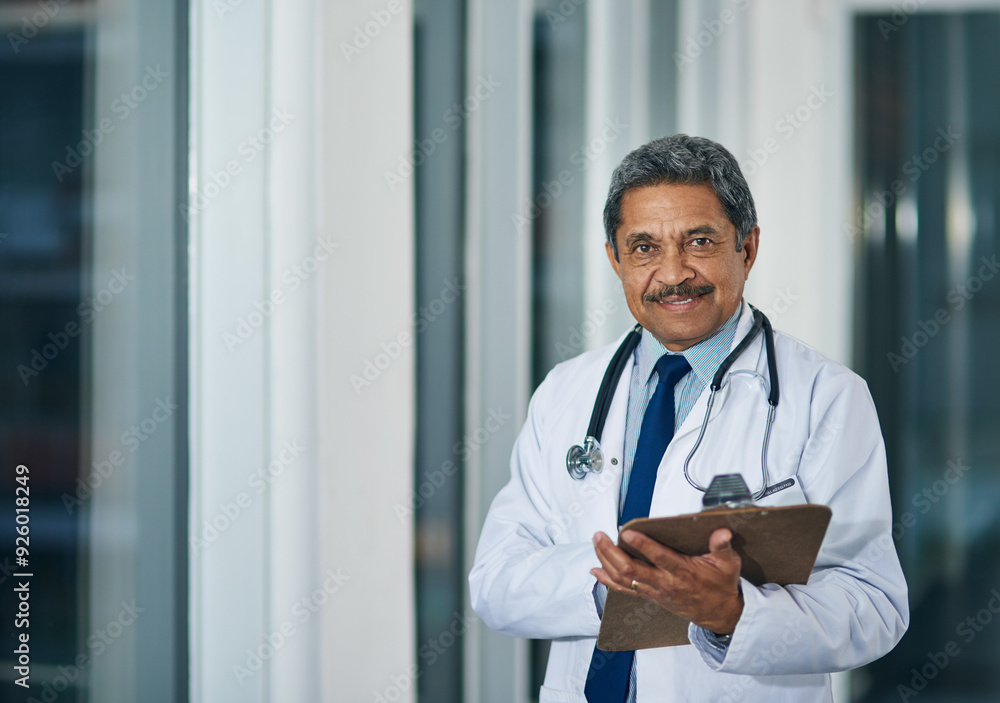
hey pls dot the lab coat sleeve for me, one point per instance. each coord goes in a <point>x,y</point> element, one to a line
<point>525,583</point>
<point>854,608</point>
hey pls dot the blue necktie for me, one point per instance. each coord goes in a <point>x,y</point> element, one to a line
<point>608,678</point>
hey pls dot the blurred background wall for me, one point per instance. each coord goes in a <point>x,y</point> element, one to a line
<point>278,279</point>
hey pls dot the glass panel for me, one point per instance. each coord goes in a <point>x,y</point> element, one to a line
<point>92,298</point>
<point>442,108</point>
<point>41,275</point>
<point>928,311</point>
<point>555,214</point>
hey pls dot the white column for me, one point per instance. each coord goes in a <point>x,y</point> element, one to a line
<point>617,122</point>
<point>498,313</point>
<point>797,156</point>
<point>366,373</point>
<point>229,364</point>
<point>301,267</point>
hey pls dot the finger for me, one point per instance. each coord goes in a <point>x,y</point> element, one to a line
<point>610,554</point>
<point>605,578</point>
<point>618,567</point>
<point>658,554</point>
<point>605,549</point>
<point>720,540</point>
<point>620,570</point>
<point>625,585</point>
<point>601,539</point>
<point>720,545</point>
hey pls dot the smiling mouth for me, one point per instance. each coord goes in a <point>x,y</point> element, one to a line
<point>678,295</point>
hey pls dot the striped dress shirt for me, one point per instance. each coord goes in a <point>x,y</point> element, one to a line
<point>705,357</point>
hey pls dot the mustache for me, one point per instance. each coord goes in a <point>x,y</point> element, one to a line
<point>682,291</point>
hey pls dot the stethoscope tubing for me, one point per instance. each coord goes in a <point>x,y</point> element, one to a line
<point>578,467</point>
<point>605,393</point>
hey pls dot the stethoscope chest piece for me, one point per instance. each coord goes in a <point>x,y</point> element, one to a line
<point>586,459</point>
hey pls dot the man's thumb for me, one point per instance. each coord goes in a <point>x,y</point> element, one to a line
<point>720,544</point>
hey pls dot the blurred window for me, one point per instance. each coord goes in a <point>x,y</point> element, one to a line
<point>928,321</point>
<point>92,385</point>
<point>441,111</point>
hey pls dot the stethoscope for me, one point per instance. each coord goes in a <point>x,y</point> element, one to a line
<point>590,459</point>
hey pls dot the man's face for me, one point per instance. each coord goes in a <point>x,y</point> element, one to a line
<point>682,275</point>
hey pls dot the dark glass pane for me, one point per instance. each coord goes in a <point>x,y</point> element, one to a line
<point>928,312</point>
<point>41,320</point>
<point>443,106</point>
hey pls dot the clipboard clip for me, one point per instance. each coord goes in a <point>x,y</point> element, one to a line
<point>727,491</point>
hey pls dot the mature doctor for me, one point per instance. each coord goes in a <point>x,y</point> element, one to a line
<point>682,236</point>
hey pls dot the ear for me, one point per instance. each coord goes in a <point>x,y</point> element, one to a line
<point>614,262</point>
<point>750,245</point>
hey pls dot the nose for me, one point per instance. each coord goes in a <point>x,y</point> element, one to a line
<point>674,267</point>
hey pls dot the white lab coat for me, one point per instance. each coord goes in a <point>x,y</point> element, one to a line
<point>532,578</point>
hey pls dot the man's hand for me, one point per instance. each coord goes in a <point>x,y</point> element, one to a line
<point>704,590</point>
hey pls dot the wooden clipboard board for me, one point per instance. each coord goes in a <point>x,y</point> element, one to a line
<point>777,545</point>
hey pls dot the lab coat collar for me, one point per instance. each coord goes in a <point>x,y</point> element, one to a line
<point>705,357</point>
<point>749,359</point>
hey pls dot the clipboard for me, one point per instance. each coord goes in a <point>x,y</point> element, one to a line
<point>777,545</point>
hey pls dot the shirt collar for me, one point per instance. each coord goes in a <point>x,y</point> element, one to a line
<point>705,357</point>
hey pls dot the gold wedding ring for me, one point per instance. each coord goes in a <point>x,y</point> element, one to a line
<point>634,584</point>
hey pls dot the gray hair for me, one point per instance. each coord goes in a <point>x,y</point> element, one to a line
<point>682,160</point>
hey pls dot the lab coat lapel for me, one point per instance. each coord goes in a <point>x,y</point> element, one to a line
<point>613,446</point>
